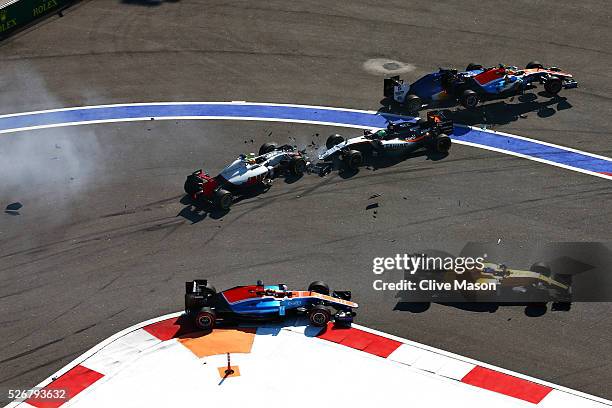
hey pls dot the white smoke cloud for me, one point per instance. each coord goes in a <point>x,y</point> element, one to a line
<point>61,162</point>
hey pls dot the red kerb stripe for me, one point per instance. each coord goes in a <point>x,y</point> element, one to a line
<point>506,384</point>
<point>360,340</point>
<point>68,385</point>
<point>171,328</point>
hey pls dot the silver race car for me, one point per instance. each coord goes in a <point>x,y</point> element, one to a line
<point>247,174</point>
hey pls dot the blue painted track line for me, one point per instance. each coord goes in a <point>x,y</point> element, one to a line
<point>236,110</point>
<point>534,149</point>
<point>510,144</point>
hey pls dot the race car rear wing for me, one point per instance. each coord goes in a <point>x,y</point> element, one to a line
<point>441,123</point>
<point>195,286</point>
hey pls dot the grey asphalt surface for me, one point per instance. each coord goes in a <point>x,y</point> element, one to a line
<point>103,240</point>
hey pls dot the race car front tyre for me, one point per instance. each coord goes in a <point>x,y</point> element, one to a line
<point>205,319</point>
<point>469,99</point>
<point>541,268</point>
<point>319,287</point>
<point>553,85</point>
<point>267,148</point>
<point>471,66</point>
<point>353,159</point>
<point>223,199</point>
<point>413,103</point>
<point>319,315</point>
<point>191,186</point>
<point>442,143</point>
<point>298,167</point>
<point>533,65</point>
<point>333,140</point>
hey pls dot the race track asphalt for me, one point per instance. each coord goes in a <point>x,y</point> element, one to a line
<point>104,239</point>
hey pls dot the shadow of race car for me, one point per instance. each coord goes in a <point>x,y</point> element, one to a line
<point>247,174</point>
<point>474,85</point>
<point>258,302</point>
<point>399,138</point>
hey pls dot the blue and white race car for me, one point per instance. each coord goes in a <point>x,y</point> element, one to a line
<point>474,85</point>
<point>207,307</point>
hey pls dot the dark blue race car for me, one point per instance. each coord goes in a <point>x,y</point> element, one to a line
<point>474,85</point>
<point>207,307</point>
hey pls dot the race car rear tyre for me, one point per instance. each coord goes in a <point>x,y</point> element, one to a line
<point>267,148</point>
<point>319,315</point>
<point>333,140</point>
<point>553,85</point>
<point>298,167</point>
<point>319,287</point>
<point>413,103</point>
<point>223,199</point>
<point>540,267</point>
<point>469,99</point>
<point>205,319</point>
<point>471,66</point>
<point>533,65</point>
<point>442,143</point>
<point>353,159</point>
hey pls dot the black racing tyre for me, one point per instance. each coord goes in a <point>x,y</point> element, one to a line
<point>298,167</point>
<point>533,65</point>
<point>267,148</point>
<point>205,319</point>
<point>333,140</point>
<point>553,85</point>
<point>442,143</point>
<point>319,315</point>
<point>540,267</point>
<point>223,199</point>
<point>413,103</point>
<point>191,186</point>
<point>469,99</point>
<point>471,66</point>
<point>353,159</point>
<point>319,287</point>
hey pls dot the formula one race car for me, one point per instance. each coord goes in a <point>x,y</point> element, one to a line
<point>398,138</point>
<point>475,84</point>
<point>538,284</point>
<point>492,282</point>
<point>207,307</point>
<point>246,175</point>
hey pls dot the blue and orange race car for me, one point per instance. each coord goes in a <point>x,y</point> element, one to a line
<point>207,307</point>
<point>474,85</point>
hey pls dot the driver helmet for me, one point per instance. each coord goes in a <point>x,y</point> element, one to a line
<point>250,158</point>
<point>381,134</point>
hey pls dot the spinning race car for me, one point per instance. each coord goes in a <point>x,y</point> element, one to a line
<point>207,307</point>
<point>399,138</point>
<point>475,84</point>
<point>539,284</point>
<point>536,284</point>
<point>246,175</point>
